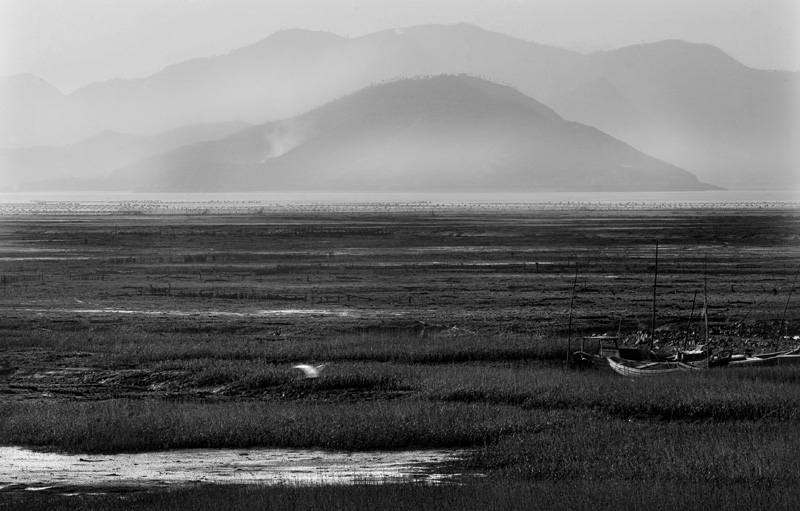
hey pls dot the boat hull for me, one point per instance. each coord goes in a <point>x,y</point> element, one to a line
<point>637,369</point>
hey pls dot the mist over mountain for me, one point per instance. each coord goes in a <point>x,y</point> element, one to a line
<point>293,71</point>
<point>445,133</point>
<point>697,107</point>
<point>77,166</point>
<point>29,111</point>
<point>686,103</point>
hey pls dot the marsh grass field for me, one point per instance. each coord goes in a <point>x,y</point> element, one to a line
<point>140,333</point>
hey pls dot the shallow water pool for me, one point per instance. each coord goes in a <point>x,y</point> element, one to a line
<point>35,470</point>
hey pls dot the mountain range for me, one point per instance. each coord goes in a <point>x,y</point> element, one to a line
<point>689,104</point>
<point>443,133</point>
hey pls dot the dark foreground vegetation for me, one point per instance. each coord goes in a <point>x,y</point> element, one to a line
<point>442,333</point>
<point>475,496</point>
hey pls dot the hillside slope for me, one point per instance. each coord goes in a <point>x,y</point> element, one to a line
<point>449,133</point>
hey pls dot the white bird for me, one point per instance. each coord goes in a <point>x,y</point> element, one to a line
<point>310,371</point>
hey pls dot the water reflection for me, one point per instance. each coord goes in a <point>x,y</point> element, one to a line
<point>30,469</point>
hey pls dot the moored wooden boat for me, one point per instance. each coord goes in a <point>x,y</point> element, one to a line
<point>775,358</point>
<point>647,368</point>
<point>748,361</point>
<point>600,348</point>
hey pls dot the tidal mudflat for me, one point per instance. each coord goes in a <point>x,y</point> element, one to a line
<point>436,332</point>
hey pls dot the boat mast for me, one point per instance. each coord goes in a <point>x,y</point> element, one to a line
<point>571,303</point>
<point>653,320</point>
<point>689,323</point>
<point>705,297</point>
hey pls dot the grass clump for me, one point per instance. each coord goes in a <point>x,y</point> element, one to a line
<point>711,395</point>
<point>131,346</point>
<point>596,448</point>
<point>128,426</point>
<point>477,495</point>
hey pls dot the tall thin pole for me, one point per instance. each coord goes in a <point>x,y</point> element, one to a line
<point>755,304</point>
<point>655,283</point>
<point>705,297</point>
<point>571,303</point>
<point>689,323</point>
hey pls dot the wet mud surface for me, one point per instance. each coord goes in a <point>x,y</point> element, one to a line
<point>300,278</point>
<point>28,471</point>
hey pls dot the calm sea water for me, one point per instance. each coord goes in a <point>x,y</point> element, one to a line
<point>715,196</point>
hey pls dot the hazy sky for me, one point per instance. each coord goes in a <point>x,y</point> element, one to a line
<point>73,42</point>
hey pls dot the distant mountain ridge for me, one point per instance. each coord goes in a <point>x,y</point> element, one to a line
<point>76,166</point>
<point>686,103</point>
<point>444,133</point>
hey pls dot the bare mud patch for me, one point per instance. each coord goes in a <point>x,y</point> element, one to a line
<point>23,469</point>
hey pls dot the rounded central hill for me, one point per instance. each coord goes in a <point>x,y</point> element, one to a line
<point>443,133</point>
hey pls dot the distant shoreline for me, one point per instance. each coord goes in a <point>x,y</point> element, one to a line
<point>433,203</point>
